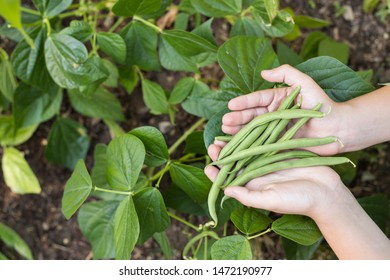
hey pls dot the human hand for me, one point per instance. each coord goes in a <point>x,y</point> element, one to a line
<point>246,107</point>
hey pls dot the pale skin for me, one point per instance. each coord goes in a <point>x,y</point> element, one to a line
<point>316,192</point>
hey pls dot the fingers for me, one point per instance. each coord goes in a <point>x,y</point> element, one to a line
<point>242,117</point>
<point>286,74</point>
<point>263,199</point>
<point>211,172</point>
<point>262,98</point>
<point>214,151</point>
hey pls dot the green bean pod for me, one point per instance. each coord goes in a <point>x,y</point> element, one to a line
<point>267,118</point>
<point>224,138</point>
<point>242,179</point>
<point>286,145</point>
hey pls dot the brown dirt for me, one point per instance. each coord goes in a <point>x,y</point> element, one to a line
<point>38,219</point>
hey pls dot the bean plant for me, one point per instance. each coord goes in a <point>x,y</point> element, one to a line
<point>138,183</point>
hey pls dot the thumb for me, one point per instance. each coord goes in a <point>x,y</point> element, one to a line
<point>285,74</point>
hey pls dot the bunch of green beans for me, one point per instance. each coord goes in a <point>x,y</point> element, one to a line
<point>265,145</point>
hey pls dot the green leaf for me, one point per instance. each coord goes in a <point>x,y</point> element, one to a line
<point>214,127</point>
<point>195,144</point>
<point>177,199</point>
<point>207,103</point>
<point>68,63</point>
<point>217,8</point>
<point>281,23</point>
<point>366,75</point>
<point>129,8</point>
<point>77,190</point>
<point>205,31</point>
<point>184,51</point>
<point>181,21</point>
<point>164,243</point>
<point>154,97</point>
<point>98,173</point>
<point>234,247</point>
<point>3,257</point>
<point>112,80</point>
<point>369,5</point>
<point>338,50</point>
<point>295,251</point>
<point>141,46</point>
<point>126,229</point>
<point>29,63</point>
<point>13,240</point>
<point>7,78</point>
<point>300,229</point>
<point>155,146</point>
<point>11,135</point>
<point>33,105</point>
<point>68,142</point>
<point>103,104</point>
<point>152,213</point>
<point>377,207</point>
<point>249,220</point>
<point>115,129</point>
<point>311,44</point>
<point>125,157</point>
<point>128,78</point>
<point>246,26</point>
<point>96,221</point>
<point>113,45</point>
<point>191,180</point>
<point>310,22</point>
<point>18,175</point>
<point>339,81</point>
<point>186,43</point>
<point>164,7</point>
<point>287,55</point>
<point>78,29</point>
<point>181,90</point>
<point>242,58</point>
<point>10,10</point>
<point>51,8</point>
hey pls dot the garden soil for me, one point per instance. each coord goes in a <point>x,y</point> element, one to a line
<point>38,218</point>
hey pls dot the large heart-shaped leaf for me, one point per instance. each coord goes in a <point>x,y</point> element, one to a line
<point>242,58</point>
<point>125,157</point>
<point>77,190</point>
<point>234,247</point>
<point>300,229</point>
<point>17,173</point>
<point>339,81</point>
<point>126,229</point>
<point>103,104</point>
<point>249,220</point>
<point>113,45</point>
<point>96,221</point>
<point>68,142</point>
<point>68,62</point>
<point>141,46</point>
<point>154,97</point>
<point>191,180</point>
<point>33,105</point>
<point>155,145</point>
<point>152,213</point>
<point>29,63</point>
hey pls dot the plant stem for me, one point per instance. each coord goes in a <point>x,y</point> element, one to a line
<point>148,23</point>
<point>30,11</point>
<point>175,145</point>
<point>116,24</point>
<point>260,234</point>
<point>47,23</point>
<point>166,168</point>
<point>112,191</point>
<point>27,38</point>
<point>173,216</point>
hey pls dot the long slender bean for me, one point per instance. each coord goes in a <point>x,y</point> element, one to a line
<point>305,162</point>
<point>268,117</point>
<point>289,144</point>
